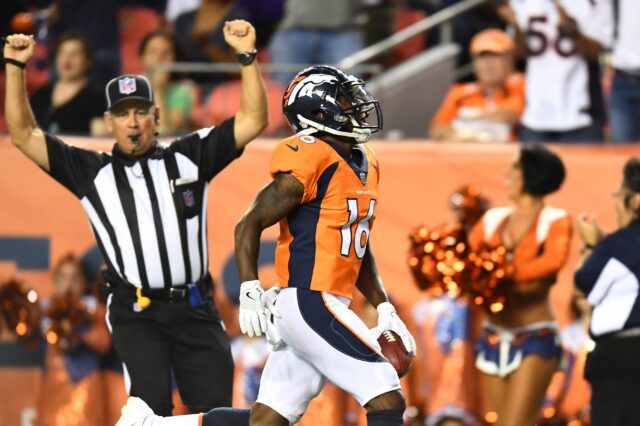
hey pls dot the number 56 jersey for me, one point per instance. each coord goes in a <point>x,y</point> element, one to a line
<point>562,86</point>
<point>322,241</point>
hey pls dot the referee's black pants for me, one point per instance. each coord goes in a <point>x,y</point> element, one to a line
<point>613,369</point>
<point>168,336</point>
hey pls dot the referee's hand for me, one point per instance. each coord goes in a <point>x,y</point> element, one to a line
<point>20,47</point>
<point>240,35</point>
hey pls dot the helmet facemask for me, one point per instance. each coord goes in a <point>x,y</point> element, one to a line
<point>361,109</point>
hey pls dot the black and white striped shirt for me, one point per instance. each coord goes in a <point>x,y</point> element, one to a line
<point>148,213</point>
<point>610,278</point>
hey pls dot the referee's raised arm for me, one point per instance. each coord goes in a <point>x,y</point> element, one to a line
<point>251,118</point>
<point>23,129</point>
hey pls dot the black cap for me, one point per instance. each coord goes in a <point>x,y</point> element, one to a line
<point>127,87</point>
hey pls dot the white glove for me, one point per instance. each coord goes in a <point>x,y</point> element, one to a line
<point>269,298</point>
<point>274,338</point>
<point>253,320</point>
<point>388,319</point>
<point>255,304</point>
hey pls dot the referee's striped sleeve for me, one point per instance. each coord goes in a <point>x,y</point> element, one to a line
<point>75,168</point>
<point>212,149</point>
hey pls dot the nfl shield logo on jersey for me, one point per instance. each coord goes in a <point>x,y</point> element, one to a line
<point>127,85</point>
<point>363,177</point>
<point>189,199</point>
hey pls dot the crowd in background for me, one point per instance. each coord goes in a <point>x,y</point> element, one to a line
<point>562,78</point>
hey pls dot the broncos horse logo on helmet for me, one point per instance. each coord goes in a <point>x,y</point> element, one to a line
<point>326,99</point>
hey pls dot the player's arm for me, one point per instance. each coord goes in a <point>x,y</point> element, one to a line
<point>23,129</point>
<point>370,285</point>
<point>508,15</point>
<point>273,202</point>
<point>587,46</point>
<point>251,118</point>
<point>369,282</point>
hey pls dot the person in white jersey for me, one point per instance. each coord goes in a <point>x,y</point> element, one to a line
<point>562,41</point>
<point>624,102</point>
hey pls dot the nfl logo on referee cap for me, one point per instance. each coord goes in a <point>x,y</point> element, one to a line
<point>128,86</point>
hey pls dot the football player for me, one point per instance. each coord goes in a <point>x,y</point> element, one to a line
<point>324,194</point>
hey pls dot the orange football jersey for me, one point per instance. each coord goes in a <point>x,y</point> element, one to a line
<point>322,242</point>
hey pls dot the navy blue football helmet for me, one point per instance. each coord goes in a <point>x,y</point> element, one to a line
<point>324,98</point>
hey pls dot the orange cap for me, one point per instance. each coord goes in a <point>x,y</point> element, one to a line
<point>491,40</point>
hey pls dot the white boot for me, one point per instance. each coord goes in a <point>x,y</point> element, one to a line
<point>134,412</point>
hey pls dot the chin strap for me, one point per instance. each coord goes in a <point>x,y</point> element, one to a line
<point>359,135</point>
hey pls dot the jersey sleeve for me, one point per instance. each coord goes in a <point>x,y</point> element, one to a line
<point>590,272</point>
<point>599,25</point>
<point>515,102</point>
<point>296,159</point>
<point>449,109</point>
<point>553,257</point>
<point>212,149</point>
<point>75,168</point>
<point>180,98</point>
<point>522,18</point>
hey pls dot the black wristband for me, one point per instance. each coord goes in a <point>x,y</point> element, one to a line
<point>246,58</point>
<point>15,62</point>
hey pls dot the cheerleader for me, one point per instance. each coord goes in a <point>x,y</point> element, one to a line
<point>519,349</point>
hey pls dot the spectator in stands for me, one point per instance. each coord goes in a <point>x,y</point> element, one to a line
<point>265,15</point>
<point>562,41</point>
<point>624,105</point>
<point>177,99</point>
<point>609,277</point>
<point>465,26</point>
<point>176,8</point>
<point>98,22</point>
<point>489,109</point>
<point>200,38</point>
<point>70,105</point>
<point>315,32</point>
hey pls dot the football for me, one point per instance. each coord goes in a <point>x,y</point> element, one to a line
<point>394,350</point>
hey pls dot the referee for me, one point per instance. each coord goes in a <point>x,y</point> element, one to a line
<point>147,206</point>
<point>610,277</point>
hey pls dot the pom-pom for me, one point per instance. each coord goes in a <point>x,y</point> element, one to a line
<point>437,260</point>
<point>65,320</point>
<point>21,311</point>
<point>490,277</point>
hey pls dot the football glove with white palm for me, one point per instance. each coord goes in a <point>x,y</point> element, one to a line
<point>254,307</point>
<point>388,319</point>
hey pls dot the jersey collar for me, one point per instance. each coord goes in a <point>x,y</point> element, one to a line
<point>357,161</point>
<point>155,152</point>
